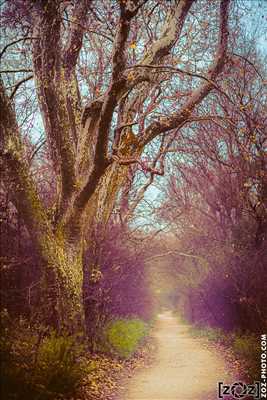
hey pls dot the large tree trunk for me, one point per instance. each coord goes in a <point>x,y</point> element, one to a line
<point>61,301</point>
<point>61,260</point>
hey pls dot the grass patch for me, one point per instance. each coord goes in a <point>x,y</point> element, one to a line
<point>124,336</point>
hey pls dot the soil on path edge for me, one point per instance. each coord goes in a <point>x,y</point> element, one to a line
<point>183,369</point>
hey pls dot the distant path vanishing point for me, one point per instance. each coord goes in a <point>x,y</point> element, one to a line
<point>183,368</point>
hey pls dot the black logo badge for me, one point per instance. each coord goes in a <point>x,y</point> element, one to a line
<point>239,390</point>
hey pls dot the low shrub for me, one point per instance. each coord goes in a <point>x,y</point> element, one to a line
<point>36,365</point>
<point>247,347</point>
<point>123,336</point>
<point>59,364</point>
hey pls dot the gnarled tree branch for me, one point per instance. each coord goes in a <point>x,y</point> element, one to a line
<point>157,51</point>
<point>178,119</point>
<point>52,95</point>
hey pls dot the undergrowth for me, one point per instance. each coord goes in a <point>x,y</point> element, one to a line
<point>36,364</point>
<point>123,336</point>
<point>245,346</point>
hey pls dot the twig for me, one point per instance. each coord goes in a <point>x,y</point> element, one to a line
<point>14,71</point>
<point>14,42</point>
<point>18,84</point>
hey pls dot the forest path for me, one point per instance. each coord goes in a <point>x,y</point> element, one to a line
<point>183,368</point>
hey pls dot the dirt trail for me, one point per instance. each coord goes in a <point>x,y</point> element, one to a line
<point>183,368</point>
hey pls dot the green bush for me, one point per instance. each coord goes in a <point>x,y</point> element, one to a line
<point>38,366</point>
<point>124,336</point>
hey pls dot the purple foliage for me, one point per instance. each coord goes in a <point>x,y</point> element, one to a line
<point>120,289</point>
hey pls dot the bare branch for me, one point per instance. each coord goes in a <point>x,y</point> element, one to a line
<point>15,71</point>
<point>52,90</point>
<point>143,165</point>
<point>87,30</point>
<point>14,42</point>
<point>169,68</point>
<point>173,252</point>
<point>117,85</point>
<point>249,62</point>
<point>37,149</point>
<point>171,33</point>
<point>76,33</point>
<point>18,84</point>
<point>158,50</point>
<point>176,120</point>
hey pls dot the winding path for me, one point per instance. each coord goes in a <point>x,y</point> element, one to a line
<point>183,369</point>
